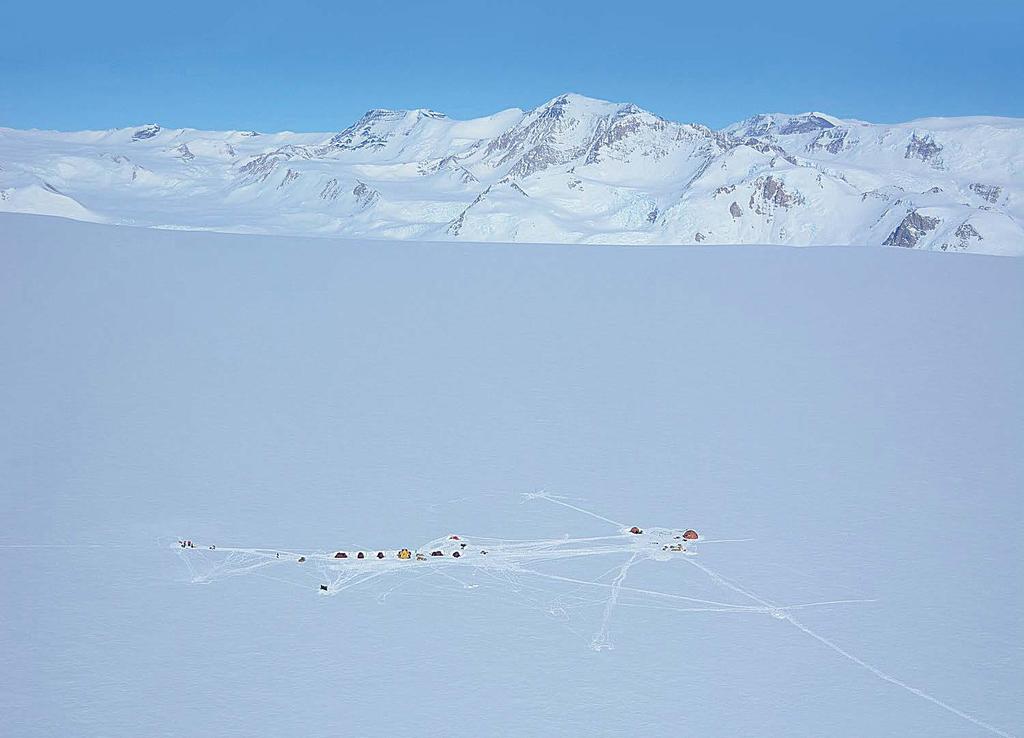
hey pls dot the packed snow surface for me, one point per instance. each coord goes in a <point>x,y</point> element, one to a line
<point>840,425</point>
<point>574,170</point>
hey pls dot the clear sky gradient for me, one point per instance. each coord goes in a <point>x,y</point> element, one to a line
<point>318,65</point>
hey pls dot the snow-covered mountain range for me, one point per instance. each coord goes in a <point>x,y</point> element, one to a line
<point>574,170</point>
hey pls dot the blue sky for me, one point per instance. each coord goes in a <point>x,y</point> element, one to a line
<point>318,66</point>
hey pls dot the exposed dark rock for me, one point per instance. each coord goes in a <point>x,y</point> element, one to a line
<point>735,210</point>
<point>965,233</point>
<point>331,190</point>
<point>465,176</point>
<point>185,153</point>
<point>988,192</point>
<point>767,147</point>
<point>832,140</point>
<point>365,196</point>
<point>880,195</point>
<point>560,133</point>
<point>769,193</point>
<point>966,230</point>
<point>924,148</point>
<point>448,164</point>
<point>514,187</point>
<point>768,125</point>
<point>804,124</point>
<point>535,160</point>
<point>628,121</point>
<point>481,196</point>
<point>290,176</point>
<point>910,230</point>
<point>698,237</point>
<point>363,134</point>
<point>455,225</point>
<point>146,132</point>
<point>259,167</point>
<point>652,217</point>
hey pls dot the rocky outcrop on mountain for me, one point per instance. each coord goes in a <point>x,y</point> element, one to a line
<point>833,141</point>
<point>259,168</point>
<point>365,196</point>
<point>925,148</point>
<point>771,125</point>
<point>574,169</point>
<point>770,193</point>
<point>331,190</point>
<point>449,165</point>
<point>145,133</point>
<point>290,176</point>
<point>911,229</point>
<point>455,226</point>
<point>363,134</point>
<point>990,193</point>
<point>965,234</point>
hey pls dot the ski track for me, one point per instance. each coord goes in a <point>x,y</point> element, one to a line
<point>503,565</point>
<point>781,614</point>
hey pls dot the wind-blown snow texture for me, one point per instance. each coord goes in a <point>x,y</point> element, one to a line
<point>573,170</point>
<point>857,412</point>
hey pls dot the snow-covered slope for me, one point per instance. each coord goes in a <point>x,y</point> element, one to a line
<point>572,170</point>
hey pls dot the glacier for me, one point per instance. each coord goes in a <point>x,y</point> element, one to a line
<point>573,170</point>
<point>856,412</point>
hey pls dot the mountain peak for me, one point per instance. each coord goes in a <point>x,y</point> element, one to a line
<point>783,124</point>
<point>380,125</point>
<point>581,104</point>
<point>399,113</point>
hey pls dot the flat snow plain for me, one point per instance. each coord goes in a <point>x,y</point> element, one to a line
<point>857,412</point>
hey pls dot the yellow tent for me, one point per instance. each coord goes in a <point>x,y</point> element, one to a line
<point>405,554</point>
